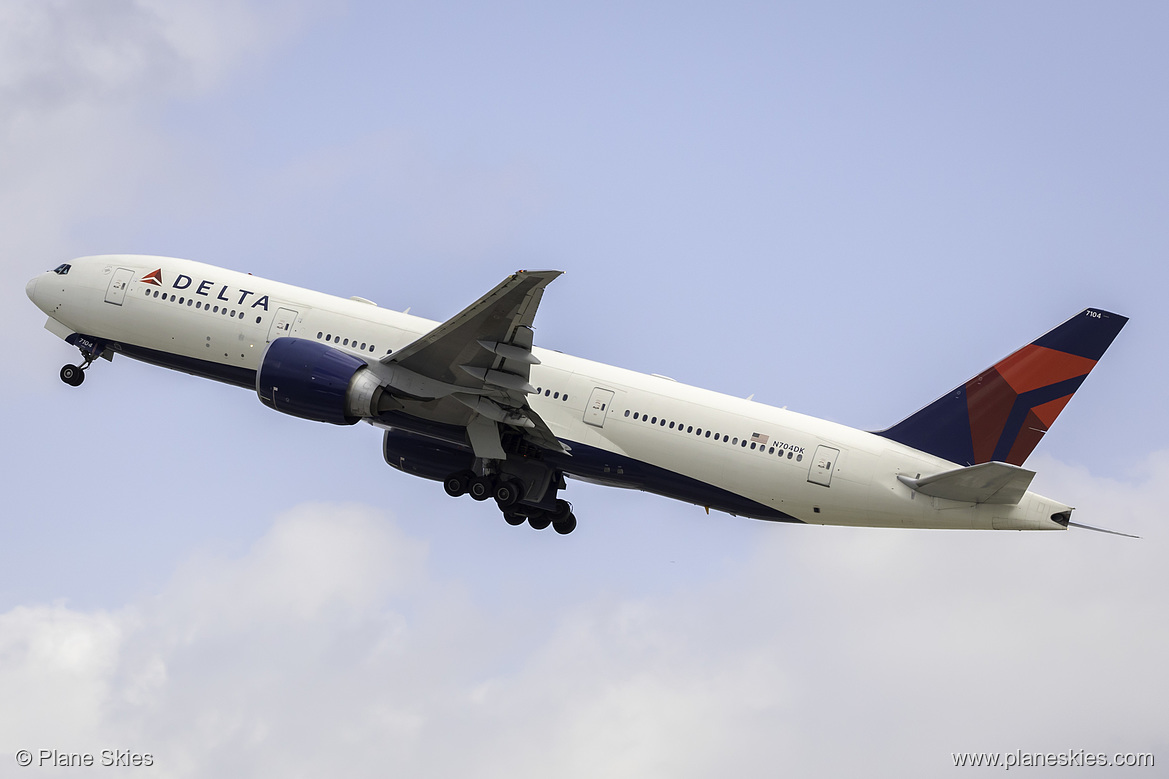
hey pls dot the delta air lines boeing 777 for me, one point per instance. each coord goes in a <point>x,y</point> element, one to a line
<point>473,402</point>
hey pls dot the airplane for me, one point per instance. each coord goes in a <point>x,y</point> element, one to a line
<point>473,403</point>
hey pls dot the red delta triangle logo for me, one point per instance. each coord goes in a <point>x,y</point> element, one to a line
<point>154,277</point>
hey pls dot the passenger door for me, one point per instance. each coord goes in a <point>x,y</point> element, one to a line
<point>116,291</point>
<point>281,324</point>
<point>823,462</point>
<point>598,407</point>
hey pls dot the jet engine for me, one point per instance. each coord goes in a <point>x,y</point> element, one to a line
<point>310,380</point>
<point>424,456</point>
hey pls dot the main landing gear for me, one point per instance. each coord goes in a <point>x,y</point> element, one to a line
<point>507,493</point>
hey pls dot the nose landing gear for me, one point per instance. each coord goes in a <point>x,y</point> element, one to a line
<point>73,375</point>
<point>90,350</point>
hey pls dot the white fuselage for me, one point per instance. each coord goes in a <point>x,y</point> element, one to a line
<point>216,322</point>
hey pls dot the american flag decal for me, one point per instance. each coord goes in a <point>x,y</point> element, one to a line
<point>759,438</point>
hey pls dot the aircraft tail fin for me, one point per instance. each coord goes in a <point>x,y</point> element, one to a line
<point>1002,413</point>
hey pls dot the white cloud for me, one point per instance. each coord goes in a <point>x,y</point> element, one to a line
<point>58,53</point>
<point>330,647</point>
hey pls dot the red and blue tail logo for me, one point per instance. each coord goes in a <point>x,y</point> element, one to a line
<point>154,277</point>
<point>1002,413</point>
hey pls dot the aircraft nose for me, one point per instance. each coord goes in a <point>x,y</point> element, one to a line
<point>30,289</point>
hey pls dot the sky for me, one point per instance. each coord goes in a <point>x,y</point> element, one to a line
<point>841,208</point>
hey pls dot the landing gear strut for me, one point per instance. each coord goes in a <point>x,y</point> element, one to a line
<point>73,375</point>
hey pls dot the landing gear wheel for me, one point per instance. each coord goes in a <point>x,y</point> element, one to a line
<point>481,487</point>
<point>72,375</point>
<point>507,492</point>
<point>514,518</point>
<point>565,525</point>
<point>456,484</point>
<point>539,521</point>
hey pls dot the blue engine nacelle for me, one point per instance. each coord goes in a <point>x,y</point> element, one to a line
<point>423,456</point>
<point>313,381</point>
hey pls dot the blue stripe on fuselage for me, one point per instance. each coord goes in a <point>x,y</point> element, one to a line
<point>584,462</point>
<point>587,462</point>
<point>228,374</point>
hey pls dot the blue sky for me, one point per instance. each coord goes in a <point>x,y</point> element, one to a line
<point>842,209</point>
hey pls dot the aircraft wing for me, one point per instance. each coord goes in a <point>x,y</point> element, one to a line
<point>483,355</point>
<point>992,482</point>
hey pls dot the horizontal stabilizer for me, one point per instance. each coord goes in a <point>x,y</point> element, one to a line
<point>992,482</point>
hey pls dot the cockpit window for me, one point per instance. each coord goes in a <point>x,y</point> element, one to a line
<point>62,269</point>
